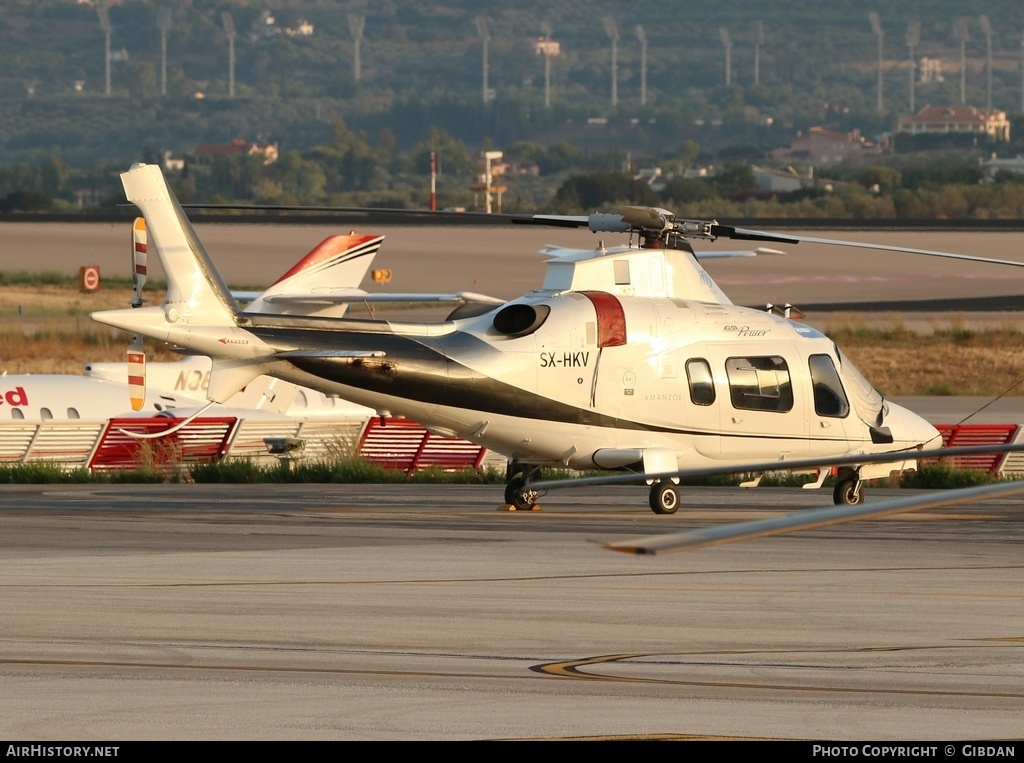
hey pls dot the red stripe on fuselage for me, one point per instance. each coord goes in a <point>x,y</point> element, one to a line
<point>611,319</point>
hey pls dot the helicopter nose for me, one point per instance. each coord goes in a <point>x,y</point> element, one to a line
<point>910,429</point>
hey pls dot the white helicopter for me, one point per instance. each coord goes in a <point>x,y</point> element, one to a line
<point>627,358</point>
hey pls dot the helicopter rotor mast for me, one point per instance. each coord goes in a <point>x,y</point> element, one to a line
<point>658,228</point>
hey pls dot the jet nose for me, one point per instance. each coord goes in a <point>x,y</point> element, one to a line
<point>910,429</point>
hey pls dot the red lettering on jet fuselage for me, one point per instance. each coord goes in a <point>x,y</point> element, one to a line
<point>16,396</point>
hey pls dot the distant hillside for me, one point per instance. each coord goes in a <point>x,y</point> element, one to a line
<point>421,66</point>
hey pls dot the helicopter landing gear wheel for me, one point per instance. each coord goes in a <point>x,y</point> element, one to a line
<point>517,490</point>
<point>664,498</point>
<point>847,492</point>
<point>519,494</point>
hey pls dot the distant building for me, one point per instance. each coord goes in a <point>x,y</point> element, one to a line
<point>653,177</point>
<point>995,165</point>
<point>173,163</point>
<point>302,29</point>
<point>931,70</point>
<point>957,119</point>
<point>238,147</point>
<point>823,146</point>
<point>780,181</point>
<point>542,46</point>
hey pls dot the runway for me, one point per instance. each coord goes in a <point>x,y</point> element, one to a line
<point>422,613</point>
<point>503,261</point>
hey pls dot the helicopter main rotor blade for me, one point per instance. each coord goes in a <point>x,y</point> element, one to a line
<point>907,250</point>
<point>651,219</point>
<point>558,221</point>
<point>741,234</point>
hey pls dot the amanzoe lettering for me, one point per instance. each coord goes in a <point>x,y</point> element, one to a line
<point>564,359</point>
<point>16,396</point>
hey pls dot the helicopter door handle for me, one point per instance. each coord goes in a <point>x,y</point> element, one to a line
<point>826,424</point>
<point>736,420</point>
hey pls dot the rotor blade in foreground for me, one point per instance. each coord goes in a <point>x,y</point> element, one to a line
<point>808,520</point>
<point>781,466</point>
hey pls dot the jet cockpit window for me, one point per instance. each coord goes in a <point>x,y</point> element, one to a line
<point>760,384</point>
<point>829,397</point>
<point>702,386</point>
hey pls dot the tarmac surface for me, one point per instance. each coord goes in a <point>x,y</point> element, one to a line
<point>363,612</point>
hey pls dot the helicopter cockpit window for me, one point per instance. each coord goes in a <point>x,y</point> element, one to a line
<point>829,397</point>
<point>760,384</point>
<point>867,401</point>
<point>702,386</point>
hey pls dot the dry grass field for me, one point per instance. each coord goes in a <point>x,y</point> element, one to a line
<point>52,333</point>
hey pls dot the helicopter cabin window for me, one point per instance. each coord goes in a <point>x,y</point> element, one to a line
<point>702,386</point>
<point>760,384</point>
<point>829,397</point>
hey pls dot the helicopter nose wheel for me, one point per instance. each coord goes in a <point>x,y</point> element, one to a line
<point>664,498</point>
<point>517,490</point>
<point>848,491</point>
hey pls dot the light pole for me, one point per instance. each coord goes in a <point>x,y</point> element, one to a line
<point>963,35</point>
<point>545,29</point>
<point>643,64</point>
<point>356,24</point>
<point>913,38</point>
<point>986,29</point>
<point>485,38</point>
<point>163,21</point>
<point>229,30</point>
<point>613,32</point>
<point>876,27</point>
<point>104,15</point>
<point>758,42</point>
<point>723,35</point>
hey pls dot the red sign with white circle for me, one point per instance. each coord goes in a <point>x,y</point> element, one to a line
<point>89,278</point>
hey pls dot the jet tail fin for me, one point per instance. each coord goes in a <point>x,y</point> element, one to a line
<point>338,262</point>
